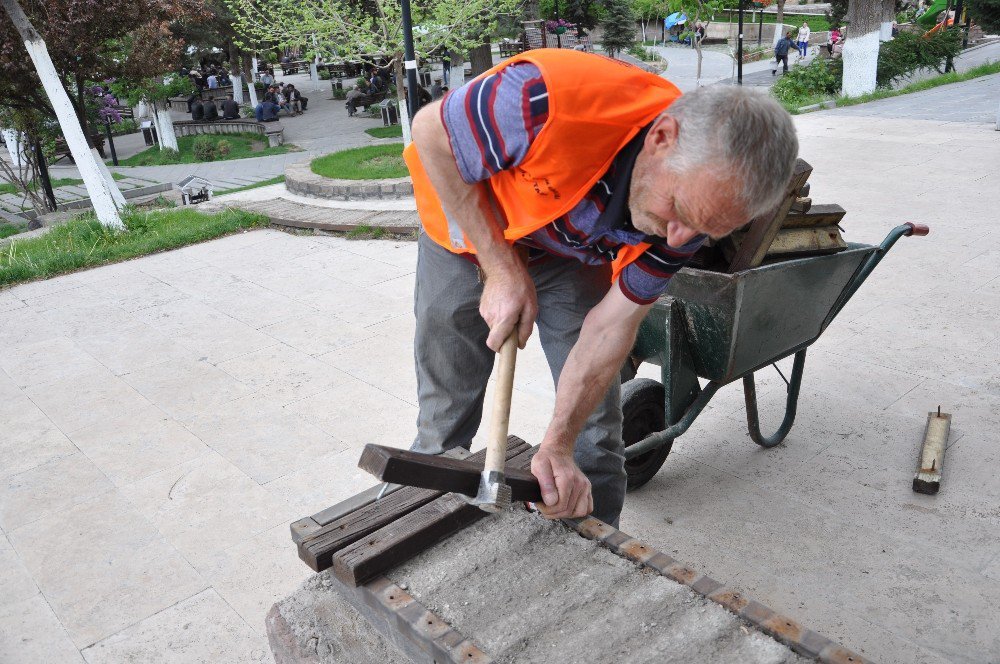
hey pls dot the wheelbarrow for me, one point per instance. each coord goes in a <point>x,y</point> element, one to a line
<point>724,327</point>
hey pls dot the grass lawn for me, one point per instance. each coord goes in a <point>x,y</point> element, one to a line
<point>944,79</point>
<point>83,242</point>
<point>241,147</point>
<point>392,131</point>
<point>817,23</point>
<point>374,162</point>
<point>8,188</point>
<point>6,230</point>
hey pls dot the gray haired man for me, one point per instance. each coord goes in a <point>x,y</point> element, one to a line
<point>573,236</point>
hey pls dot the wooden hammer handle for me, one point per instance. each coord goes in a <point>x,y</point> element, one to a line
<point>496,446</point>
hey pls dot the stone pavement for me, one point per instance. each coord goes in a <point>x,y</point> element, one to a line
<point>168,417</point>
<point>974,101</point>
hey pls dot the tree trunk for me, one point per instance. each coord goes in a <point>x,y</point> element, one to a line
<point>251,85</point>
<point>164,126</point>
<point>481,58</point>
<point>98,188</point>
<point>236,71</point>
<point>888,17</point>
<point>861,47</point>
<point>779,22</point>
<point>456,78</point>
<point>403,107</point>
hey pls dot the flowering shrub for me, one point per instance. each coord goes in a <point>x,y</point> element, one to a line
<point>559,26</point>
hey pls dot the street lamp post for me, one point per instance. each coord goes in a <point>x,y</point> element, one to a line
<point>410,62</point>
<point>739,49</point>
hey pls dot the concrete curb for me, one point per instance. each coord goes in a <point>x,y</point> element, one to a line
<point>299,179</point>
<point>802,640</point>
<point>817,107</point>
<point>85,204</point>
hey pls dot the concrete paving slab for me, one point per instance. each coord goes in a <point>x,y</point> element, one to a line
<point>51,487</point>
<point>135,292</point>
<point>86,399</point>
<point>325,481</point>
<point>134,346</point>
<point>281,374</point>
<point>30,438</point>
<point>260,438</point>
<point>316,333</point>
<point>45,361</point>
<point>30,632</point>
<point>255,574</point>
<point>254,305</point>
<point>128,449</point>
<point>212,632</point>
<point>198,327</point>
<point>380,362</point>
<point>187,388</point>
<point>122,569</point>
<point>15,580</point>
<point>205,506</point>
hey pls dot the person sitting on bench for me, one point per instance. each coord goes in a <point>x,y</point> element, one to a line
<point>230,109</point>
<point>197,111</point>
<point>211,111</point>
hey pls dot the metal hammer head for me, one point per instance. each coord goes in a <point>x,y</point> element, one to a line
<point>494,493</point>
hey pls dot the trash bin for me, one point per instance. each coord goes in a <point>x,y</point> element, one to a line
<point>148,132</point>
<point>390,115</point>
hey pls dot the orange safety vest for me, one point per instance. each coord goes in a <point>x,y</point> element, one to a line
<point>596,106</point>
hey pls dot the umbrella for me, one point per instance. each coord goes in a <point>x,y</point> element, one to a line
<point>677,18</point>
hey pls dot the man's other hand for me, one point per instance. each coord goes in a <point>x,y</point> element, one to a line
<point>508,300</point>
<point>565,489</point>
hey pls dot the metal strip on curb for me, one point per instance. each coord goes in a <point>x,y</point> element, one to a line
<point>421,634</point>
<point>803,641</point>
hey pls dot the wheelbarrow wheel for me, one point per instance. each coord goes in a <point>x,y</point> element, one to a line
<point>643,414</point>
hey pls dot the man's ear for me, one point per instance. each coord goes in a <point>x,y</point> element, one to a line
<point>662,135</point>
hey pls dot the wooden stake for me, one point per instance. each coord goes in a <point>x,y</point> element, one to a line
<point>928,477</point>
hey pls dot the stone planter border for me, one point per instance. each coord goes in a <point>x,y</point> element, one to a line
<point>299,179</point>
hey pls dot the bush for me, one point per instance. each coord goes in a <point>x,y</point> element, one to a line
<point>339,93</point>
<point>820,77</point>
<point>223,148</point>
<point>324,74</point>
<point>909,52</point>
<point>204,148</point>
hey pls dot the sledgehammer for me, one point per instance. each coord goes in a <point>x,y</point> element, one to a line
<point>492,487</point>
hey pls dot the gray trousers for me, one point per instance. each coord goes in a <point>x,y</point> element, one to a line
<point>454,363</point>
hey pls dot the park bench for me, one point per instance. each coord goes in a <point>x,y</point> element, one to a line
<point>272,131</point>
<point>62,149</point>
<point>509,49</point>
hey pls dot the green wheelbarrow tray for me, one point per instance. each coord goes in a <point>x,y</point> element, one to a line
<point>722,327</point>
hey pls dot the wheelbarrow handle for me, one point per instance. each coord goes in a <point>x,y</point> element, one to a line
<point>917,229</point>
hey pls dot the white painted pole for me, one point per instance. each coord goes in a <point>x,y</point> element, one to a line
<point>404,122</point>
<point>885,31</point>
<point>97,186</point>
<point>237,88</point>
<point>252,90</point>
<point>314,68</point>
<point>12,138</point>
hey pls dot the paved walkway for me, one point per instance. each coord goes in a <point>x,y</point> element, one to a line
<point>166,418</point>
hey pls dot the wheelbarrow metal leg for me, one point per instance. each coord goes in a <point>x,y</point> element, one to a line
<point>791,403</point>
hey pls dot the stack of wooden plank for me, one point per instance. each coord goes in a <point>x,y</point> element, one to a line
<point>795,229</point>
<point>365,538</point>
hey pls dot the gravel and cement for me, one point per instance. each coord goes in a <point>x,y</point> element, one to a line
<point>530,591</point>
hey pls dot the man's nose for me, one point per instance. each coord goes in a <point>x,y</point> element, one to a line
<point>678,235</point>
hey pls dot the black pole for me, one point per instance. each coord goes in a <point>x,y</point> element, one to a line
<point>43,173</point>
<point>111,142</point>
<point>760,27</point>
<point>739,50</point>
<point>958,18</point>
<point>949,64</point>
<point>558,36</point>
<point>410,62</point>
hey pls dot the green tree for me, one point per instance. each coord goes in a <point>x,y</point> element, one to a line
<point>700,11</point>
<point>986,13</point>
<point>333,29</point>
<point>619,27</point>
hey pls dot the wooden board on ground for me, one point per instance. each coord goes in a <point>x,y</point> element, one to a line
<point>441,473</point>
<point>817,215</point>
<point>806,241</point>
<point>401,540</point>
<point>316,549</point>
<point>762,231</point>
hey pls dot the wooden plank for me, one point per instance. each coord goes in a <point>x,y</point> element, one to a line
<point>317,548</point>
<point>440,473</point>
<point>762,230</point>
<point>807,241</point>
<point>817,215</point>
<point>399,541</point>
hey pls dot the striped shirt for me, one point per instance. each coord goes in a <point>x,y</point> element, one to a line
<point>491,123</point>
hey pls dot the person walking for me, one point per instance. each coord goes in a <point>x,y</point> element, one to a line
<point>802,40</point>
<point>781,53</point>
